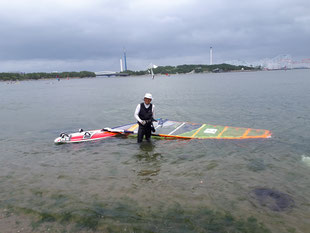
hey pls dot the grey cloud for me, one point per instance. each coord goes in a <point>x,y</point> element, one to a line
<point>162,31</point>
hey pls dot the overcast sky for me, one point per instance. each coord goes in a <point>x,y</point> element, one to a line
<point>74,35</point>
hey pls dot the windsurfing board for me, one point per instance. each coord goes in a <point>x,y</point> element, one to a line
<point>83,136</point>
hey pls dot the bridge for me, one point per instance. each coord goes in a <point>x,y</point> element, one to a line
<point>110,73</point>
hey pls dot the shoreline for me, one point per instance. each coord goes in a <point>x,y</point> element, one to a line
<point>164,75</point>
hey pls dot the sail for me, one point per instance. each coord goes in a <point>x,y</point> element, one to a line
<point>152,66</point>
<point>179,129</point>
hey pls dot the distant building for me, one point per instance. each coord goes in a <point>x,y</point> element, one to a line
<point>121,64</point>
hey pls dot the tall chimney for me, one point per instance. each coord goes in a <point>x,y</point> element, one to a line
<point>125,60</point>
<point>211,58</point>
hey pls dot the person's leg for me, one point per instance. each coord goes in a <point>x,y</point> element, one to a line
<point>140,133</point>
<point>148,132</point>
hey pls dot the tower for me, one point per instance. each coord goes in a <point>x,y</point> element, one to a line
<point>211,58</point>
<point>125,62</point>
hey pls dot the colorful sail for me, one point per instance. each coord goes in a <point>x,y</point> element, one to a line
<point>179,129</point>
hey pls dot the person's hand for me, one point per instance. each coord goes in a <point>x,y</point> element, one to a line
<point>143,122</point>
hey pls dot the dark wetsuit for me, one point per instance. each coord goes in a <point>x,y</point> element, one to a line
<point>145,114</point>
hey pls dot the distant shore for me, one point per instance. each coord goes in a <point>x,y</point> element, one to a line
<point>16,77</point>
<point>41,75</point>
<point>163,70</point>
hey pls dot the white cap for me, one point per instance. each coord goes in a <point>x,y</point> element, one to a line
<point>148,95</point>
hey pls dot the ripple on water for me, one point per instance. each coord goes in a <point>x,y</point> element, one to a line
<point>256,165</point>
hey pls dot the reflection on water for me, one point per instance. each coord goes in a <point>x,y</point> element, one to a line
<point>118,185</point>
<point>149,161</point>
<point>147,146</point>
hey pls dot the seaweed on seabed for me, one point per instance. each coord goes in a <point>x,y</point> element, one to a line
<point>120,217</point>
<point>100,216</point>
<point>214,221</point>
<point>88,219</point>
<point>256,165</point>
<point>178,219</point>
<point>273,199</point>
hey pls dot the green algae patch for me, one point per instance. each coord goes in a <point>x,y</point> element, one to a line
<point>120,217</point>
<point>211,165</point>
<point>207,220</point>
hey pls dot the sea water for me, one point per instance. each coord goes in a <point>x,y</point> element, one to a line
<point>117,185</point>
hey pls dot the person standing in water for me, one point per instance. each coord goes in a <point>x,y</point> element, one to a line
<point>144,114</point>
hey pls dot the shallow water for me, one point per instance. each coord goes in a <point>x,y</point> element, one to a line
<point>116,185</point>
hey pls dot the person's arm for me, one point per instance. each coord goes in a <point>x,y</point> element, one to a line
<point>137,114</point>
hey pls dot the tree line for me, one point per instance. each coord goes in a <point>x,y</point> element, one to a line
<point>42,75</point>
<point>183,69</point>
